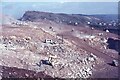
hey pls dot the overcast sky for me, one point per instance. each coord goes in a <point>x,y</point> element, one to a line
<point>17,9</point>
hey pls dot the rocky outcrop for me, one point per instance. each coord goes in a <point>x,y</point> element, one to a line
<point>114,44</point>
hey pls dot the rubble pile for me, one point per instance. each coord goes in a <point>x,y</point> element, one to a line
<point>66,61</point>
<point>93,40</point>
<point>64,48</point>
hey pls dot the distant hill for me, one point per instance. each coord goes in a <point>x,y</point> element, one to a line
<point>70,19</point>
<point>96,21</point>
<point>107,17</point>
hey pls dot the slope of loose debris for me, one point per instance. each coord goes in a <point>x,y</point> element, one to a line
<point>75,52</point>
<point>14,72</point>
<point>26,49</point>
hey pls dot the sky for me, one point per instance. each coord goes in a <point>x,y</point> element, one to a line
<point>17,9</point>
<point>60,0</point>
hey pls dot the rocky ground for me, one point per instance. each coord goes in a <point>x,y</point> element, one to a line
<point>75,52</point>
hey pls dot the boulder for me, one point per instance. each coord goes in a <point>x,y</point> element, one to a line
<point>91,59</point>
<point>115,62</point>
